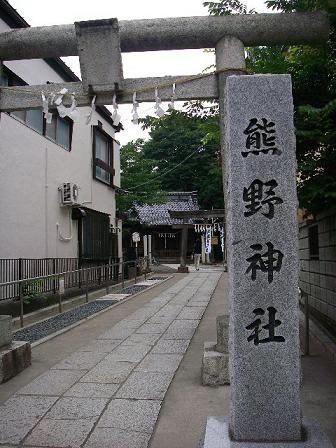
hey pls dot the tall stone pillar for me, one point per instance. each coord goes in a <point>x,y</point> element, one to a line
<point>149,240</point>
<point>145,245</point>
<point>184,244</point>
<point>203,249</point>
<point>230,57</point>
<point>262,237</point>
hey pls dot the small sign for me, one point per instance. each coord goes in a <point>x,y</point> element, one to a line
<point>61,286</point>
<point>214,240</point>
<point>135,237</point>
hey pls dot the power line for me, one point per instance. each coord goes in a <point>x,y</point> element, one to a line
<point>163,174</point>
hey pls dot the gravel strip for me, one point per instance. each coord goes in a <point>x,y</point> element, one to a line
<point>42,329</point>
<point>56,323</point>
<point>134,289</point>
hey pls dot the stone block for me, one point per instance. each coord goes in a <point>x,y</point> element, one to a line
<point>14,359</point>
<point>222,325</point>
<point>53,382</point>
<point>215,366</point>
<point>60,433</point>
<point>80,361</point>
<point>170,346</point>
<point>92,390</point>
<point>145,386</point>
<point>5,330</point>
<point>161,363</point>
<point>217,436</point>
<point>19,415</point>
<point>112,437</point>
<point>109,371</point>
<point>133,415</point>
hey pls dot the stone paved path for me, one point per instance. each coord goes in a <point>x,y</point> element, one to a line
<point>109,394</point>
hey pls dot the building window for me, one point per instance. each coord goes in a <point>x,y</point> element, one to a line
<point>60,131</point>
<point>102,156</point>
<point>313,240</point>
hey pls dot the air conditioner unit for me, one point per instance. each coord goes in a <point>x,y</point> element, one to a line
<point>69,194</point>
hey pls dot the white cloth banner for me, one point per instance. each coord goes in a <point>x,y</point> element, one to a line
<point>208,241</point>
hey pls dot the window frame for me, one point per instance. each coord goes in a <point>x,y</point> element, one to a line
<point>100,163</point>
<point>58,118</point>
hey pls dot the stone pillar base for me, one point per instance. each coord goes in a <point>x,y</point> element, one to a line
<point>13,359</point>
<point>215,366</point>
<point>183,269</point>
<point>217,436</point>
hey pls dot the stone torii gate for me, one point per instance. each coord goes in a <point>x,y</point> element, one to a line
<point>258,145</point>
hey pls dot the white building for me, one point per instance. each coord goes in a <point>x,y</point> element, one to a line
<point>37,158</point>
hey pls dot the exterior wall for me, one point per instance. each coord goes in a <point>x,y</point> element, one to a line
<point>318,277</point>
<point>32,168</point>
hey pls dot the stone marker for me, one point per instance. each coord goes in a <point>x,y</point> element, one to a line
<point>262,234</point>
<point>5,330</point>
<point>215,362</point>
<point>14,356</point>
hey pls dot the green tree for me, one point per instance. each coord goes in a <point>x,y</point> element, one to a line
<point>187,154</point>
<point>139,178</point>
<point>313,71</point>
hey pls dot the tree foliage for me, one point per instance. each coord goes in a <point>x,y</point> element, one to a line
<point>313,71</point>
<point>139,181</point>
<point>187,154</point>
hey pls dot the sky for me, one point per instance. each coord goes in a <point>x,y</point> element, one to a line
<point>145,64</point>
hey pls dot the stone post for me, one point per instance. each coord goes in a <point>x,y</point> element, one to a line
<point>230,54</point>
<point>262,237</point>
<point>149,240</point>
<point>203,248</point>
<point>184,242</point>
<point>263,258</point>
<point>145,245</point>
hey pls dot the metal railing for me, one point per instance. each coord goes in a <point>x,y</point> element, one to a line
<point>98,276</point>
<point>12,269</point>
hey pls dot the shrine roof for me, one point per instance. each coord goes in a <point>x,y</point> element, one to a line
<point>158,214</point>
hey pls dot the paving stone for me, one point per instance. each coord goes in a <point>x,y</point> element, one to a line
<point>112,372</point>
<point>19,415</point>
<point>74,408</point>
<point>152,328</point>
<point>163,363</point>
<point>161,320</point>
<point>129,323</point>
<point>136,338</point>
<point>181,329</point>
<point>80,361</point>
<point>92,390</point>
<point>171,346</point>
<point>60,433</point>
<point>201,304</point>
<point>145,386</point>
<point>128,353</point>
<point>117,438</point>
<point>117,333</point>
<point>53,382</point>
<point>191,313</point>
<point>101,346</point>
<point>134,415</point>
